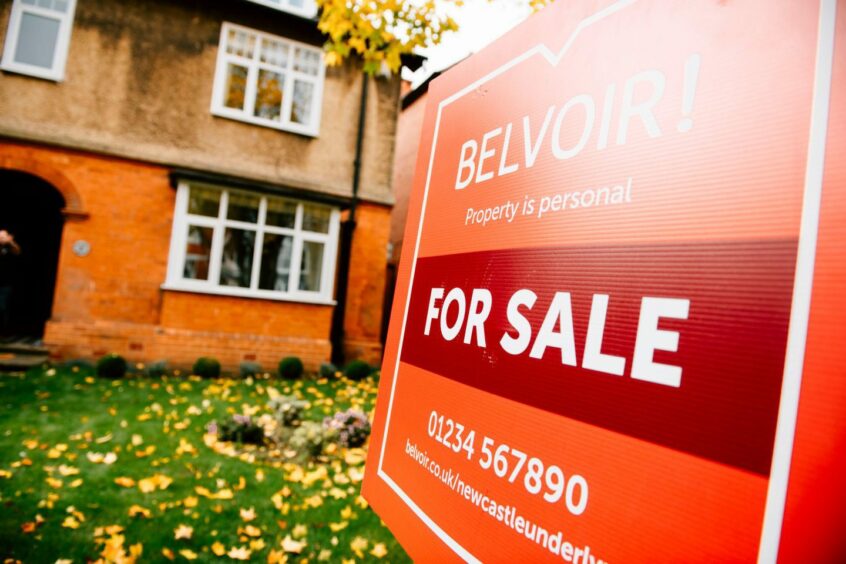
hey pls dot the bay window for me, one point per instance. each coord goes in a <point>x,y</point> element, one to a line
<point>239,243</point>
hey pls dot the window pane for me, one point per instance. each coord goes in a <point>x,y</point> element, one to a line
<point>274,53</point>
<point>204,201</point>
<point>37,40</point>
<point>276,262</point>
<point>281,213</point>
<point>301,106</point>
<point>316,218</point>
<point>311,266</point>
<point>60,5</point>
<point>197,253</point>
<point>236,84</point>
<point>243,207</point>
<point>240,43</point>
<point>296,3</point>
<point>269,95</point>
<point>236,266</point>
<point>307,61</point>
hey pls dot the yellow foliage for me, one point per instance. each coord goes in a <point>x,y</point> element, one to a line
<point>381,31</point>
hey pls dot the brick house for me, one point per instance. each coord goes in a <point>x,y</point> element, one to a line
<point>185,177</point>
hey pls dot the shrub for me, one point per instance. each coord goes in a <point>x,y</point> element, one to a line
<point>249,369</point>
<point>111,366</point>
<point>357,370</point>
<point>352,427</point>
<point>327,370</point>
<point>287,410</point>
<point>156,369</point>
<point>207,367</point>
<point>291,368</point>
<point>308,438</point>
<point>240,429</point>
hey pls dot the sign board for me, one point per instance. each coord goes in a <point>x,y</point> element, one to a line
<point>600,346</point>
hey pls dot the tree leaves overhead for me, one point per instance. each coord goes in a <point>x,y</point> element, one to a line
<point>381,31</point>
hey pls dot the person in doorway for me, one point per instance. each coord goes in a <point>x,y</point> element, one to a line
<point>9,251</point>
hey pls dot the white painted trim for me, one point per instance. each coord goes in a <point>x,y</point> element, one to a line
<point>553,60</point>
<point>60,56</point>
<point>253,65</point>
<point>182,219</point>
<point>802,286</point>
<point>309,9</point>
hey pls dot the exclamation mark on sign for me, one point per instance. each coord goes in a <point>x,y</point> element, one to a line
<point>691,75</point>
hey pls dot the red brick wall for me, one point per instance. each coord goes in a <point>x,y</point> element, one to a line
<point>111,301</point>
<point>367,283</point>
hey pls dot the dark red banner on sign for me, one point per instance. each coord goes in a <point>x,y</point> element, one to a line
<point>731,346</point>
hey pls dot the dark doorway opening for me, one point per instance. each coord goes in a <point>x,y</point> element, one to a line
<point>30,210</point>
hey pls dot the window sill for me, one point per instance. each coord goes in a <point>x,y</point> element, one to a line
<point>246,293</point>
<point>33,71</point>
<point>290,128</point>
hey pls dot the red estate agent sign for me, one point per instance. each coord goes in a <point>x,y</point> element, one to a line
<point>601,335</point>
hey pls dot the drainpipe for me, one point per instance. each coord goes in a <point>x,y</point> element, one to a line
<point>336,334</point>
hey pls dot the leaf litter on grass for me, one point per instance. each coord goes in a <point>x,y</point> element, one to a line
<point>108,471</point>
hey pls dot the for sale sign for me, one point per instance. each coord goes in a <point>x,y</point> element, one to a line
<point>598,345</point>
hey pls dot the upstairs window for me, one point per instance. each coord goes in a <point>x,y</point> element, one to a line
<point>267,80</point>
<point>304,8</point>
<point>38,37</point>
<point>246,244</point>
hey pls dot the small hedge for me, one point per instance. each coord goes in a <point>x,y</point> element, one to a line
<point>111,366</point>
<point>248,369</point>
<point>357,370</point>
<point>156,369</point>
<point>291,368</point>
<point>327,370</point>
<point>207,367</point>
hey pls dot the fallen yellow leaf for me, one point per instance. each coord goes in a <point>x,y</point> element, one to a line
<point>290,545</point>
<point>257,544</point>
<point>252,531</point>
<point>70,522</point>
<point>218,549</point>
<point>248,514</point>
<point>188,554</point>
<point>299,531</point>
<point>277,557</point>
<point>65,470</point>
<point>359,545</point>
<point>125,482</point>
<point>136,510</point>
<point>379,550</point>
<point>240,553</point>
<point>183,532</point>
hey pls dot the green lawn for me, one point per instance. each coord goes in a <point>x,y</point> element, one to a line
<point>60,499</point>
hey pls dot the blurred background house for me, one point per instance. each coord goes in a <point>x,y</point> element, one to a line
<point>181,178</point>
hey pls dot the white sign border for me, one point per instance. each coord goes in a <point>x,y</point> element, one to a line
<point>803,280</point>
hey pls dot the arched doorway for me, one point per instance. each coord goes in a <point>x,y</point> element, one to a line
<point>31,210</point>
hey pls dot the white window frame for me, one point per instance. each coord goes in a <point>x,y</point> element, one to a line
<point>60,57</point>
<point>309,9</point>
<point>253,65</point>
<point>178,244</point>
